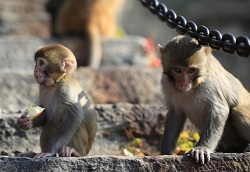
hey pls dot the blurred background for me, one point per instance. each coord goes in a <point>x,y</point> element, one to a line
<point>129,70</point>
<point>227,16</point>
<point>30,18</point>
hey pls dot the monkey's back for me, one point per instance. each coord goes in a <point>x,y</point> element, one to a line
<point>84,137</point>
<point>226,85</point>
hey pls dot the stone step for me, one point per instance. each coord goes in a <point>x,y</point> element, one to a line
<point>17,52</point>
<point>219,162</point>
<point>105,85</point>
<point>24,17</point>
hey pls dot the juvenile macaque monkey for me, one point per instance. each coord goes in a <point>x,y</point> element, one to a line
<point>90,19</point>
<point>69,120</point>
<point>196,86</point>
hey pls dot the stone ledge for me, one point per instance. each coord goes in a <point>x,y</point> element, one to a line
<point>219,162</point>
<point>143,121</point>
<point>128,84</point>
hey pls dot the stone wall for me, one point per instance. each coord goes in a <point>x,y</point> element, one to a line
<point>218,163</point>
<point>106,85</point>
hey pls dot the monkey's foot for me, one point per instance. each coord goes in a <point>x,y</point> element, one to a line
<point>43,155</point>
<point>200,154</point>
<point>67,151</point>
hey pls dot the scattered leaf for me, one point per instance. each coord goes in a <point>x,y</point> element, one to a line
<point>127,152</point>
<point>186,141</point>
<point>134,148</point>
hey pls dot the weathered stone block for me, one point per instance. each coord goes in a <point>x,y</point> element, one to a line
<point>219,162</point>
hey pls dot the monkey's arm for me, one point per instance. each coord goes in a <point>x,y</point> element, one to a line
<point>211,133</point>
<point>173,126</point>
<point>66,129</point>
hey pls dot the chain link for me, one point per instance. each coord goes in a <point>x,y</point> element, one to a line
<point>227,42</point>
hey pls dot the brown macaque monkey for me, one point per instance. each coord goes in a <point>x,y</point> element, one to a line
<point>69,120</point>
<point>90,19</point>
<point>197,87</point>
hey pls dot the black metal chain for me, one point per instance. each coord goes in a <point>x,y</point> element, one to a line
<point>227,42</point>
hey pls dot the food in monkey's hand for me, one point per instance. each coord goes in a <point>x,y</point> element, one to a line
<point>33,111</point>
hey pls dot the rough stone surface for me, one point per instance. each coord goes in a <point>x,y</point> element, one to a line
<point>24,17</point>
<point>219,162</point>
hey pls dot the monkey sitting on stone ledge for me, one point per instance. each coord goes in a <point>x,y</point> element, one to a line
<point>69,120</point>
<point>197,87</point>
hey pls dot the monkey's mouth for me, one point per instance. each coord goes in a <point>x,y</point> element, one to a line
<point>40,81</point>
<point>46,82</point>
<point>184,86</point>
<point>40,78</point>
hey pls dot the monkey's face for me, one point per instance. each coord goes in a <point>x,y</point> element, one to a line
<point>184,62</point>
<point>183,77</point>
<point>53,63</point>
<point>41,73</point>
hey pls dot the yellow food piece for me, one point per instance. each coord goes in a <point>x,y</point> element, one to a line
<point>185,134</point>
<point>33,111</point>
<point>196,136</point>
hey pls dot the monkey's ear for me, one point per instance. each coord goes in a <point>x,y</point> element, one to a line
<point>161,48</point>
<point>67,66</point>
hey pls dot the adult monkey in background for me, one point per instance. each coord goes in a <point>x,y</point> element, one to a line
<point>196,86</point>
<point>89,19</point>
<point>69,120</point>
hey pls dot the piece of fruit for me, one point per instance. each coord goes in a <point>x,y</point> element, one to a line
<point>33,111</point>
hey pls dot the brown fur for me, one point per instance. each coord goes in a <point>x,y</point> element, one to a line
<point>93,19</point>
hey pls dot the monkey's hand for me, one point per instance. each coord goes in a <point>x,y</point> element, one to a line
<point>200,154</point>
<point>67,151</point>
<point>24,123</point>
<point>28,154</point>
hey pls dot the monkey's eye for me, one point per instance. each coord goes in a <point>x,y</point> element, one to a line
<point>177,70</point>
<point>191,70</point>
<point>40,62</point>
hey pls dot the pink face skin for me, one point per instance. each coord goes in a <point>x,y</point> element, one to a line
<point>40,73</point>
<point>184,77</point>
